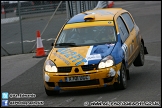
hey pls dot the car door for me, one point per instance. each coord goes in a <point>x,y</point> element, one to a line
<point>124,34</point>
<point>132,38</point>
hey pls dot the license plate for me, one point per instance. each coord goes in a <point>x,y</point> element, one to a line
<point>77,78</point>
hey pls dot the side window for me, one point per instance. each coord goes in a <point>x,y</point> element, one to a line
<point>128,20</point>
<point>122,29</point>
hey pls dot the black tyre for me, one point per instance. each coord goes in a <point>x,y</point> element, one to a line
<point>128,76</point>
<point>123,79</point>
<point>139,61</point>
<point>51,93</point>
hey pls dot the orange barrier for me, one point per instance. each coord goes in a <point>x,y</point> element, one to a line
<point>14,10</point>
<point>40,49</point>
<point>110,4</point>
<point>2,11</point>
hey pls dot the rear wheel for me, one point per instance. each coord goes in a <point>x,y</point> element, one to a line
<point>139,61</point>
<point>51,92</point>
<point>122,78</point>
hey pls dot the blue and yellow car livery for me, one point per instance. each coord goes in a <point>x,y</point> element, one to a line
<point>93,65</point>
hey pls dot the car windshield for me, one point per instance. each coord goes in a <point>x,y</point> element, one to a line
<point>87,36</point>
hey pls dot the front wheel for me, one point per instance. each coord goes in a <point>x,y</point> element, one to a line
<point>122,84</point>
<point>139,61</point>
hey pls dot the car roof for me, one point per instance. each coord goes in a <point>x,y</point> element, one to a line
<point>95,15</point>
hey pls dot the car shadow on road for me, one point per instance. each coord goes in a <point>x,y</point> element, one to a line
<point>102,90</point>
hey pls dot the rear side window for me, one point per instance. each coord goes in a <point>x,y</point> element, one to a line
<point>128,20</point>
<point>122,29</point>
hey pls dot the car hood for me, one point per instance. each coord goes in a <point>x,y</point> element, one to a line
<point>83,55</point>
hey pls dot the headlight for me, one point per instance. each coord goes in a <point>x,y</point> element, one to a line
<point>50,66</point>
<point>106,62</point>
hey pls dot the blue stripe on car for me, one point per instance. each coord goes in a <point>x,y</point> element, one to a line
<point>104,50</point>
<point>77,18</point>
<point>118,53</point>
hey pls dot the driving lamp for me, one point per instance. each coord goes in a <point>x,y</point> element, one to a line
<point>50,66</point>
<point>106,62</point>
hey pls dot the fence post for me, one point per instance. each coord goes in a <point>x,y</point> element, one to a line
<point>20,27</point>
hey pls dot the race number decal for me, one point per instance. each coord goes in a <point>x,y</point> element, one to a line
<point>125,49</point>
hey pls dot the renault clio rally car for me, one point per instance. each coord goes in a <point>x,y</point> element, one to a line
<point>94,49</point>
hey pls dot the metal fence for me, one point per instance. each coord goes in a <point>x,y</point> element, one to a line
<point>16,8</point>
<point>21,19</point>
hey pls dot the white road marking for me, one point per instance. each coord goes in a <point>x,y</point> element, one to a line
<point>65,102</point>
<point>15,42</point>
<point>69,100</point>
<point>9,20</point>
<point>29,41</point>
<point>10,42</point>
<point>50,39</point>
<point>153,58</point>
<point>114,98</point>
<point>99,98</point>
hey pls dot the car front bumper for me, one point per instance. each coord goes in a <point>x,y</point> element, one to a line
<point>98,78</point>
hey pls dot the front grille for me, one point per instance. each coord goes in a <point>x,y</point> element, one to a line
<point>64,69</point>
<point>89,67</point>
<point>79,83</point>
<point>84,68</point>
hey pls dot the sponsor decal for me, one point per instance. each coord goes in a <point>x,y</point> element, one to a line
<point>94,57</point>
<point>125,49</point>
<point>72,56</point>
<point>63,59</point>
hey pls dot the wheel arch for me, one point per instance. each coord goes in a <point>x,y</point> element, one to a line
<point>145,49</point>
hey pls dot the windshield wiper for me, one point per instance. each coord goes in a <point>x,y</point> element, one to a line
<point>66,44</point>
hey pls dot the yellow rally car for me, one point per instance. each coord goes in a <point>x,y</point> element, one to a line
<point>94,49</point>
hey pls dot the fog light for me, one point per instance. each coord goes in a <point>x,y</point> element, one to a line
<point>111,72</point>
<point>46,77</point>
